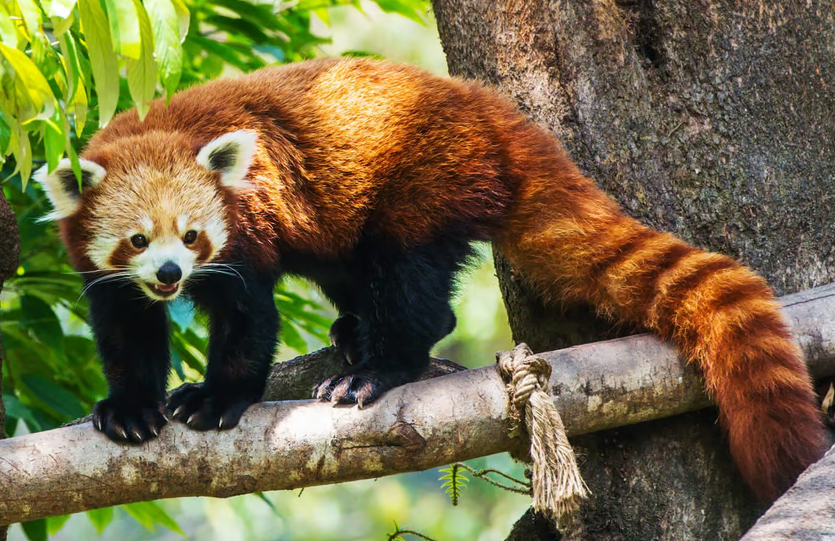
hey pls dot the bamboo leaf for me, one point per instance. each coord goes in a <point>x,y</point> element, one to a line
<point>100,518</point>
<point>33,94</point>
<point>31,14</point>
<point>8,33</point>
<point>103,62</point>
<point>123,19</point>
<point>142,72</point>
<point>149,514</point>
<point>167,42</point>
<point>61,9</point>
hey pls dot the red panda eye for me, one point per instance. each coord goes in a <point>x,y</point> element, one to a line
<point>190,237</point>
<point>139,241</point>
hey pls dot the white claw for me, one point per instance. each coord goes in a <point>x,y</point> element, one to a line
<point>136,434</point>
<point>155,432</point>
<point>220,424</point>
<point>98,425</point>
<point>122,433</point>
<point>177,411</point>
<point>190,419</point>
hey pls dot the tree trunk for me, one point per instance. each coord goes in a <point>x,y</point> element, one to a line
<point>709,119</point>
<point>9,257</point>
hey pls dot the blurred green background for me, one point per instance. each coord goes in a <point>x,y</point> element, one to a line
<point>51,373</point>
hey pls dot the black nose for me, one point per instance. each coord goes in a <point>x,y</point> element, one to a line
<point>169,273</point>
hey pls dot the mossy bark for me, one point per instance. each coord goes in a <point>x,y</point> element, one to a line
<point>9,257</point>
<point>710,119</point>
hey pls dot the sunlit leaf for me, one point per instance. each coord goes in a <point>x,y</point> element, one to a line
<point>100,518</point>
<point>123,19</point>
<point>61,8</point>
<point>54,524</point>
<point>151,514</point>
<point>167,42</point>
<point>30,83</point>
<point>142,72</point>
<point>31,15</point>
<point>8,34</point>
<point>103,62</point>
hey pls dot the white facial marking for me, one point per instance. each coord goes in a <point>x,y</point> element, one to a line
<point>182,222</point>
<point>147,224</point>
<point>159,252</point>
<point>230,155</point>
<point>61,186</point>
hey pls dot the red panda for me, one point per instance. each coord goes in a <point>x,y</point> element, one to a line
<point>372,179</point>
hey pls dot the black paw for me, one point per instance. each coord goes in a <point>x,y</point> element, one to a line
<point>129,423</point>
<point>343,336</point>
<point>205,409</point>
<point>360,388</point>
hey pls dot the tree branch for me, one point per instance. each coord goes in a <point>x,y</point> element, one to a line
<point>806,512</point>
<point>287,445</point>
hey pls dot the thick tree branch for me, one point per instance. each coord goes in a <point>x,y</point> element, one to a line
<point>806,512</point>
<point>285,445</point>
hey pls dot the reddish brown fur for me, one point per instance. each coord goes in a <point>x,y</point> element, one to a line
<point>358,147</point>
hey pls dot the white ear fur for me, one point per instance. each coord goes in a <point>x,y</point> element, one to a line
<point>230,155</point>
<point>61,186</point>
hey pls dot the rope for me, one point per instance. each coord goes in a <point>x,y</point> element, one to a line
<point>558,487</point>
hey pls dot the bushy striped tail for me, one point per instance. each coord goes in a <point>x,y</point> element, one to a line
<point>571,242</point>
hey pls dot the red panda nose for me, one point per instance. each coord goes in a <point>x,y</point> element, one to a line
<point>169,273</point>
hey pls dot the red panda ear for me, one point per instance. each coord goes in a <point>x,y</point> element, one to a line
<point>230,155</point>
<point>62,186</point>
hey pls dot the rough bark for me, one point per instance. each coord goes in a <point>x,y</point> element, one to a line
<point>291,444</point>
<point>708,119</point>
<point>806,512</point>
<point>9,258</point>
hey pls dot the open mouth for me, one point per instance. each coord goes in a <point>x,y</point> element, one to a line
<point>164,290</point>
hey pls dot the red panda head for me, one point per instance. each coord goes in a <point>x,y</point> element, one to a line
<point>149,209</point>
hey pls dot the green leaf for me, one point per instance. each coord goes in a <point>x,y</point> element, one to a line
<point>61,8</point>
<point>54,140</point>
<point>167,42</point>
<point>31,16</point>
<point>54,524</point>
<point>123,17</point>
<point>103,61</point>
<point>5,133</point>
<point>69,57</point>
<point>40,318</point>
<point>142,72</point>
<point>150,514</point>
<point>35,530</point>
<point>291,337</point>
<point>16,409</point>
<point>8,34</point>
<point>30,84</point>
<point>100,518</point>
<point>55,397</point>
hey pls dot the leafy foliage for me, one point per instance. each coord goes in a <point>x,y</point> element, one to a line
<point>66,67</point>
<point>454,481</point>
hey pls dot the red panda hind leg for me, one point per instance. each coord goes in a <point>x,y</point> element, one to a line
<point>571,242</point>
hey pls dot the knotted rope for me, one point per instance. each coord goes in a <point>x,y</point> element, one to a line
<point>558,487</point>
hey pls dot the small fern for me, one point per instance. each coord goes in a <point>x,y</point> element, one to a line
<point>454,481</point>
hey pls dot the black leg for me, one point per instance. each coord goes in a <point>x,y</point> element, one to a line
<point>132,336</point>
<point>403,308</point>
<point>343,332</point>
<point>242,342</point>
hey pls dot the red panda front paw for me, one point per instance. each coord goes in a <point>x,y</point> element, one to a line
<point>360,388</point>
<point>206,409</point>
<point>124,423</point>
